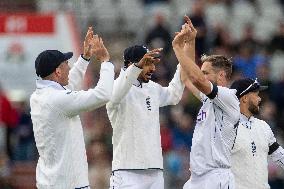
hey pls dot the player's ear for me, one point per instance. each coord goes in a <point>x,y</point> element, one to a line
<point>244,99</point>
<point>222,74</point>
<point>57,71</point>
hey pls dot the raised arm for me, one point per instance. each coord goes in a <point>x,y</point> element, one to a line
<point>172,94</point>
<point>74,102</point>
<point>183,43</point>
<point>126,78</point>
<point>192,89</point>
<point>90,48</point>
<point>79,68</point>
<point>189,48</point>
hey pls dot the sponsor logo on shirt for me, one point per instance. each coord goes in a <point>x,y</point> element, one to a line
<point>201,115</point>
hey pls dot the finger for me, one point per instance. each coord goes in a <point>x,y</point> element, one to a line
<point>147,60</point>
<point>187,19</point>
<point>94,42</point>
<point>155,50</point>
<point>153,54</point>
<point>89,33</point>
<point>96,39</point>
<point>103,45</point>
<point>146,57</point>
<point>176,33</point>
<point>182,28</point>
<point>101,42</point>
<point>152,60</point>
<point>192,28</point>
<point>156,60</point>
<point>187,28</point>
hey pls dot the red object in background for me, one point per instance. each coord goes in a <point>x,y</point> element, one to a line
<point>8,115</point>
<point>27,23</point>
<point>166,139</point>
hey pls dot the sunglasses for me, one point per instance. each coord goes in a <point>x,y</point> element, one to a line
<point>255,85</point>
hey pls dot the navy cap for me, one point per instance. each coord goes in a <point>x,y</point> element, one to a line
<point>244,86</point>
<point>48,60</point>
<point>134,54</point>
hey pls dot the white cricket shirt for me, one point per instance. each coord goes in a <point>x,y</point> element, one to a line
<point>134,115</point>
<point>250,153</point>
<point>57,128</point>
<point>215,132</point>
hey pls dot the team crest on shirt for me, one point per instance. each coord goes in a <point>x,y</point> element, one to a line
<point>253,148</point>
<point>148,103</point>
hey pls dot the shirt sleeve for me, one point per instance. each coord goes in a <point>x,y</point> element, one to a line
<point>123,84</point>
<point>76,74</point>
<point>172,94</point>
<point>270,136</point>
<point>72,103</point>
<point>276,152</point>
<point>227,100</point>
<point>278,157</point>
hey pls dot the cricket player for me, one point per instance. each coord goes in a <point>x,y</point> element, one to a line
<point>55,107</point>
<point>134,115</point>
<point>255,142</point>
<point>218,118</point>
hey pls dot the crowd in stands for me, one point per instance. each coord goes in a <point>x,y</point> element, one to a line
<point>252,56</point>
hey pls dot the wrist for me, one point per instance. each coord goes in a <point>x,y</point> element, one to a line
<point>106,62</point>
<point>138,66</point>
<point>87,58</point>
<point>103,60</point>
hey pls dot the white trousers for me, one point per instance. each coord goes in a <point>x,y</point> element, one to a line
<point>137,179</point>
<point>216,179</point>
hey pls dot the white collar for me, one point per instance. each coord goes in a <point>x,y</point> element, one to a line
<point>40,84</point>
<point>246,121</point>
<point>136,83</point>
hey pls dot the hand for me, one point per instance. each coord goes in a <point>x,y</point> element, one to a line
<point>181,37</point>
<point>87,43</point>
<point>193,32</point>
<point>186,35</point>
<point>150,57</point>
<point>98,49</point>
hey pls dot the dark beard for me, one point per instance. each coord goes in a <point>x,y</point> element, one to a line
<point>253,109</point>
<point>145,81</point>
<point>142,80</point>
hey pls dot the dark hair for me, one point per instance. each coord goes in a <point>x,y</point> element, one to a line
<point>219,62</point>
<point>134,54</point>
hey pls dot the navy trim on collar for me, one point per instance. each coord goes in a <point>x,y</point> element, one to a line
<point>246,121</point>
<point>137,83</point>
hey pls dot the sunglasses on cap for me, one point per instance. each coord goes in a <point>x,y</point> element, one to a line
<point>252,87</point>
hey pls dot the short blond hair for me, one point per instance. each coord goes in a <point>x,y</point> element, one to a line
<point>219,62</point>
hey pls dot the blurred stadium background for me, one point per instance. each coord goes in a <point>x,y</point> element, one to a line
<point>251,32</point>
